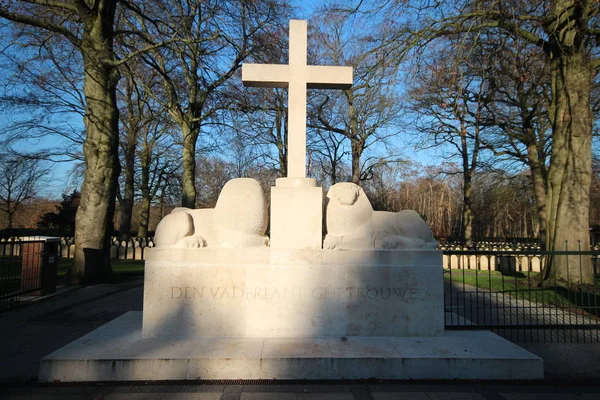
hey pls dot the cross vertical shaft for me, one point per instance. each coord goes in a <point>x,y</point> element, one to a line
<point>297,100</point>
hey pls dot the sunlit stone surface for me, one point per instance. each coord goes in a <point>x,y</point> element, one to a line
<point>238,220</point>
<point>117,352</point>
<point>193,293</point>
<point>352,223</point>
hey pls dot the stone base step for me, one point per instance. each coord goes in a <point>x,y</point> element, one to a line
<point>117,352</point>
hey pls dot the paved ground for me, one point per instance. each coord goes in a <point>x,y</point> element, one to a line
<point>403,391</point>
<point>28,333</point>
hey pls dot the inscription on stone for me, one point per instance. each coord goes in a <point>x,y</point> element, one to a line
<point>406,294</point>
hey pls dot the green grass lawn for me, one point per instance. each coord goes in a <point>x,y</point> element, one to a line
<point>523,286</point>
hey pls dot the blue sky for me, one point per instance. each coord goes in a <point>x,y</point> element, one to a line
<point>60,180</point>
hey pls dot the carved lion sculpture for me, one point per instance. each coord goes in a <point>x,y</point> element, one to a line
<point>352,223</point>
<point>239,219</point>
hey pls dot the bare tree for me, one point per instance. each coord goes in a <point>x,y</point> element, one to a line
<point>503,205</point>
<point>20,178</point>
<point>519,110</point>
<point>216,173</point>
<point>260,115</point>
<point>133,115</point>
<point>451,110</point>
<point>42,93</point>
<point>366,113</point>
<point>89,27</point>
<point>430,191</point>
<point>329,155</point>
<point>566,33</point>
<point>146,146</point>
<point>214,38</point>
<point>158,163</point>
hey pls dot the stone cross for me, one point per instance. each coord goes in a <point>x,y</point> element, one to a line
<point>297,76</point>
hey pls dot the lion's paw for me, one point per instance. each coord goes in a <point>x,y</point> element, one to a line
<point>191,242</point>
<point>331,242</point>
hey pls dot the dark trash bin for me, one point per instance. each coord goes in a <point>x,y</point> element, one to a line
<point>39,264</point>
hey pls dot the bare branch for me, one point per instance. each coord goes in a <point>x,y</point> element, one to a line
<point>143,50</point>
<point>24,19</point>
<point>53,3</point>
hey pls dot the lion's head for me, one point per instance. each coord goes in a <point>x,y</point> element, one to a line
<point>345,193</point>
<point>347,209</point>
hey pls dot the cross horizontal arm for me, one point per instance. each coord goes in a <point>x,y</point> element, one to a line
<point>265,75</point>
<point>325,77</point>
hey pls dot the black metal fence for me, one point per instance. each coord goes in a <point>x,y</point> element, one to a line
<point>505,292</point>
<point>499,289</point>
<point>27,268</point>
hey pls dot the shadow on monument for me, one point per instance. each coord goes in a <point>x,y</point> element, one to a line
<point>353,294</point>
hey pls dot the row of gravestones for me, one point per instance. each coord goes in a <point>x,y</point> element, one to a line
<point>490,261</point>
<point>484,262</point>
<point>489,246</point>
<point>132,249</point>
<point>498,246</point>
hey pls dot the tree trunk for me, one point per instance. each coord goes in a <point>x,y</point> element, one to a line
<point>161,207</point>
<point>145,189</point>
<point>281,127</point>
<point>352,134</point>
<point>467,219</point>
<point>468,172</point>
<point>569,174</point>
<point>333,172</point>
<point>188,190</point>
<point>144,217</point>
<point>126,202</point>
<point>539,189</point>
<point>355,162</point>
<point>94,217</point>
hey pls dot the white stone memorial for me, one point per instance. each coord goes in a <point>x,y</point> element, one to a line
<point>224,301</point>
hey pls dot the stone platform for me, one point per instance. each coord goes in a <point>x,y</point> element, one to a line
<point>117,352</point>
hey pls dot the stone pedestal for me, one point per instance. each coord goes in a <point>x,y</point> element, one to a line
<point>296,214</point>
<point>292,293</point>
<point>288,314</point>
